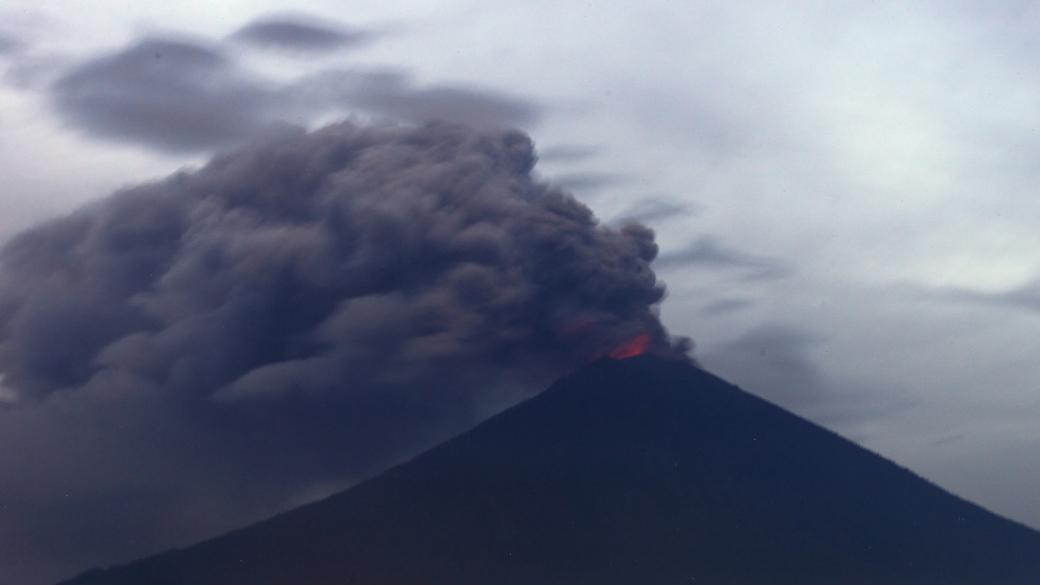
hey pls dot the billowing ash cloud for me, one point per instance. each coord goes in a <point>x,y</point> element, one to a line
<point>387,252</point>
<point>199,351</point>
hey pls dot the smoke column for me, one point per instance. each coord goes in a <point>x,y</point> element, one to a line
<point>301,311</point>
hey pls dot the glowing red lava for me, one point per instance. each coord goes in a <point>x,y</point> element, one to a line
<point>631,348</point>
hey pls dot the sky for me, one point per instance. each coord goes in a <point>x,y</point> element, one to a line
<point>841,192</point>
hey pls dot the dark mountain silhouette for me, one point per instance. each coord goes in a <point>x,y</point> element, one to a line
<point>642,471</point>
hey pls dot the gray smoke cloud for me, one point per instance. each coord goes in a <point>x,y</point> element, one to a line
<point>191,354</point>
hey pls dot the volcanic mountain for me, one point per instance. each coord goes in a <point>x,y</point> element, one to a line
<point>638,471</point>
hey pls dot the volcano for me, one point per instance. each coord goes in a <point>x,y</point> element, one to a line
<point>638,471</point>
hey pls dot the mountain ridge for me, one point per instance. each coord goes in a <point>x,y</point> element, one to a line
<point>640,470</point>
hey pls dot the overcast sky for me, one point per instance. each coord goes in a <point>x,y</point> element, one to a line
<point>843,192</point>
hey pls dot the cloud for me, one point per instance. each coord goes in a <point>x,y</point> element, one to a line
<point>392,94</point>
<point>588,181</point>
<point>9,44</point>
<point>474,106</point>
<point>708,252</point>
<point>172,94</point>
<point>29,71</point>
<point>724,306</point>
<point>773,361</point>
<point>778,361</point>
<point>7,394</point>
<point>299,33</point>
<point>194,353</point>
<point>181,95</point>
<point>568,152</point>
<point>652,210</point>
<point>417,233</point>
<point>1024,297</point>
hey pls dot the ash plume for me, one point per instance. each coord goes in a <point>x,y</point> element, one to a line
<point>293,314</point>
<point>383,254</point>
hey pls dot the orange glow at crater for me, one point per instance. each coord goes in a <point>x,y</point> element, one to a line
<point>631,348</point>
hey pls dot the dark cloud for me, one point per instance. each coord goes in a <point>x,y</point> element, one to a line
<point>392,94</point>
<point>653,210</point>
<point>194,353</point>
<point>179,95</point>
<point>299,33</point>
<point>708,252</point>
<point>171,94</point>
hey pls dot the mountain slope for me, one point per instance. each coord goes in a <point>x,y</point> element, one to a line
<point>636,471</point>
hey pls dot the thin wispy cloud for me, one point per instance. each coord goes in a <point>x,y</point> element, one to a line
<point>565,153</point>
<point>395,95</point>
<point>1025,297</point>
<point>299,33</point>
<point>724,306</point>
<point>655,209</point>
<point>9,44</point>
<point>775,362</point>
<point>590,181</point>
<point>710,253</point>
